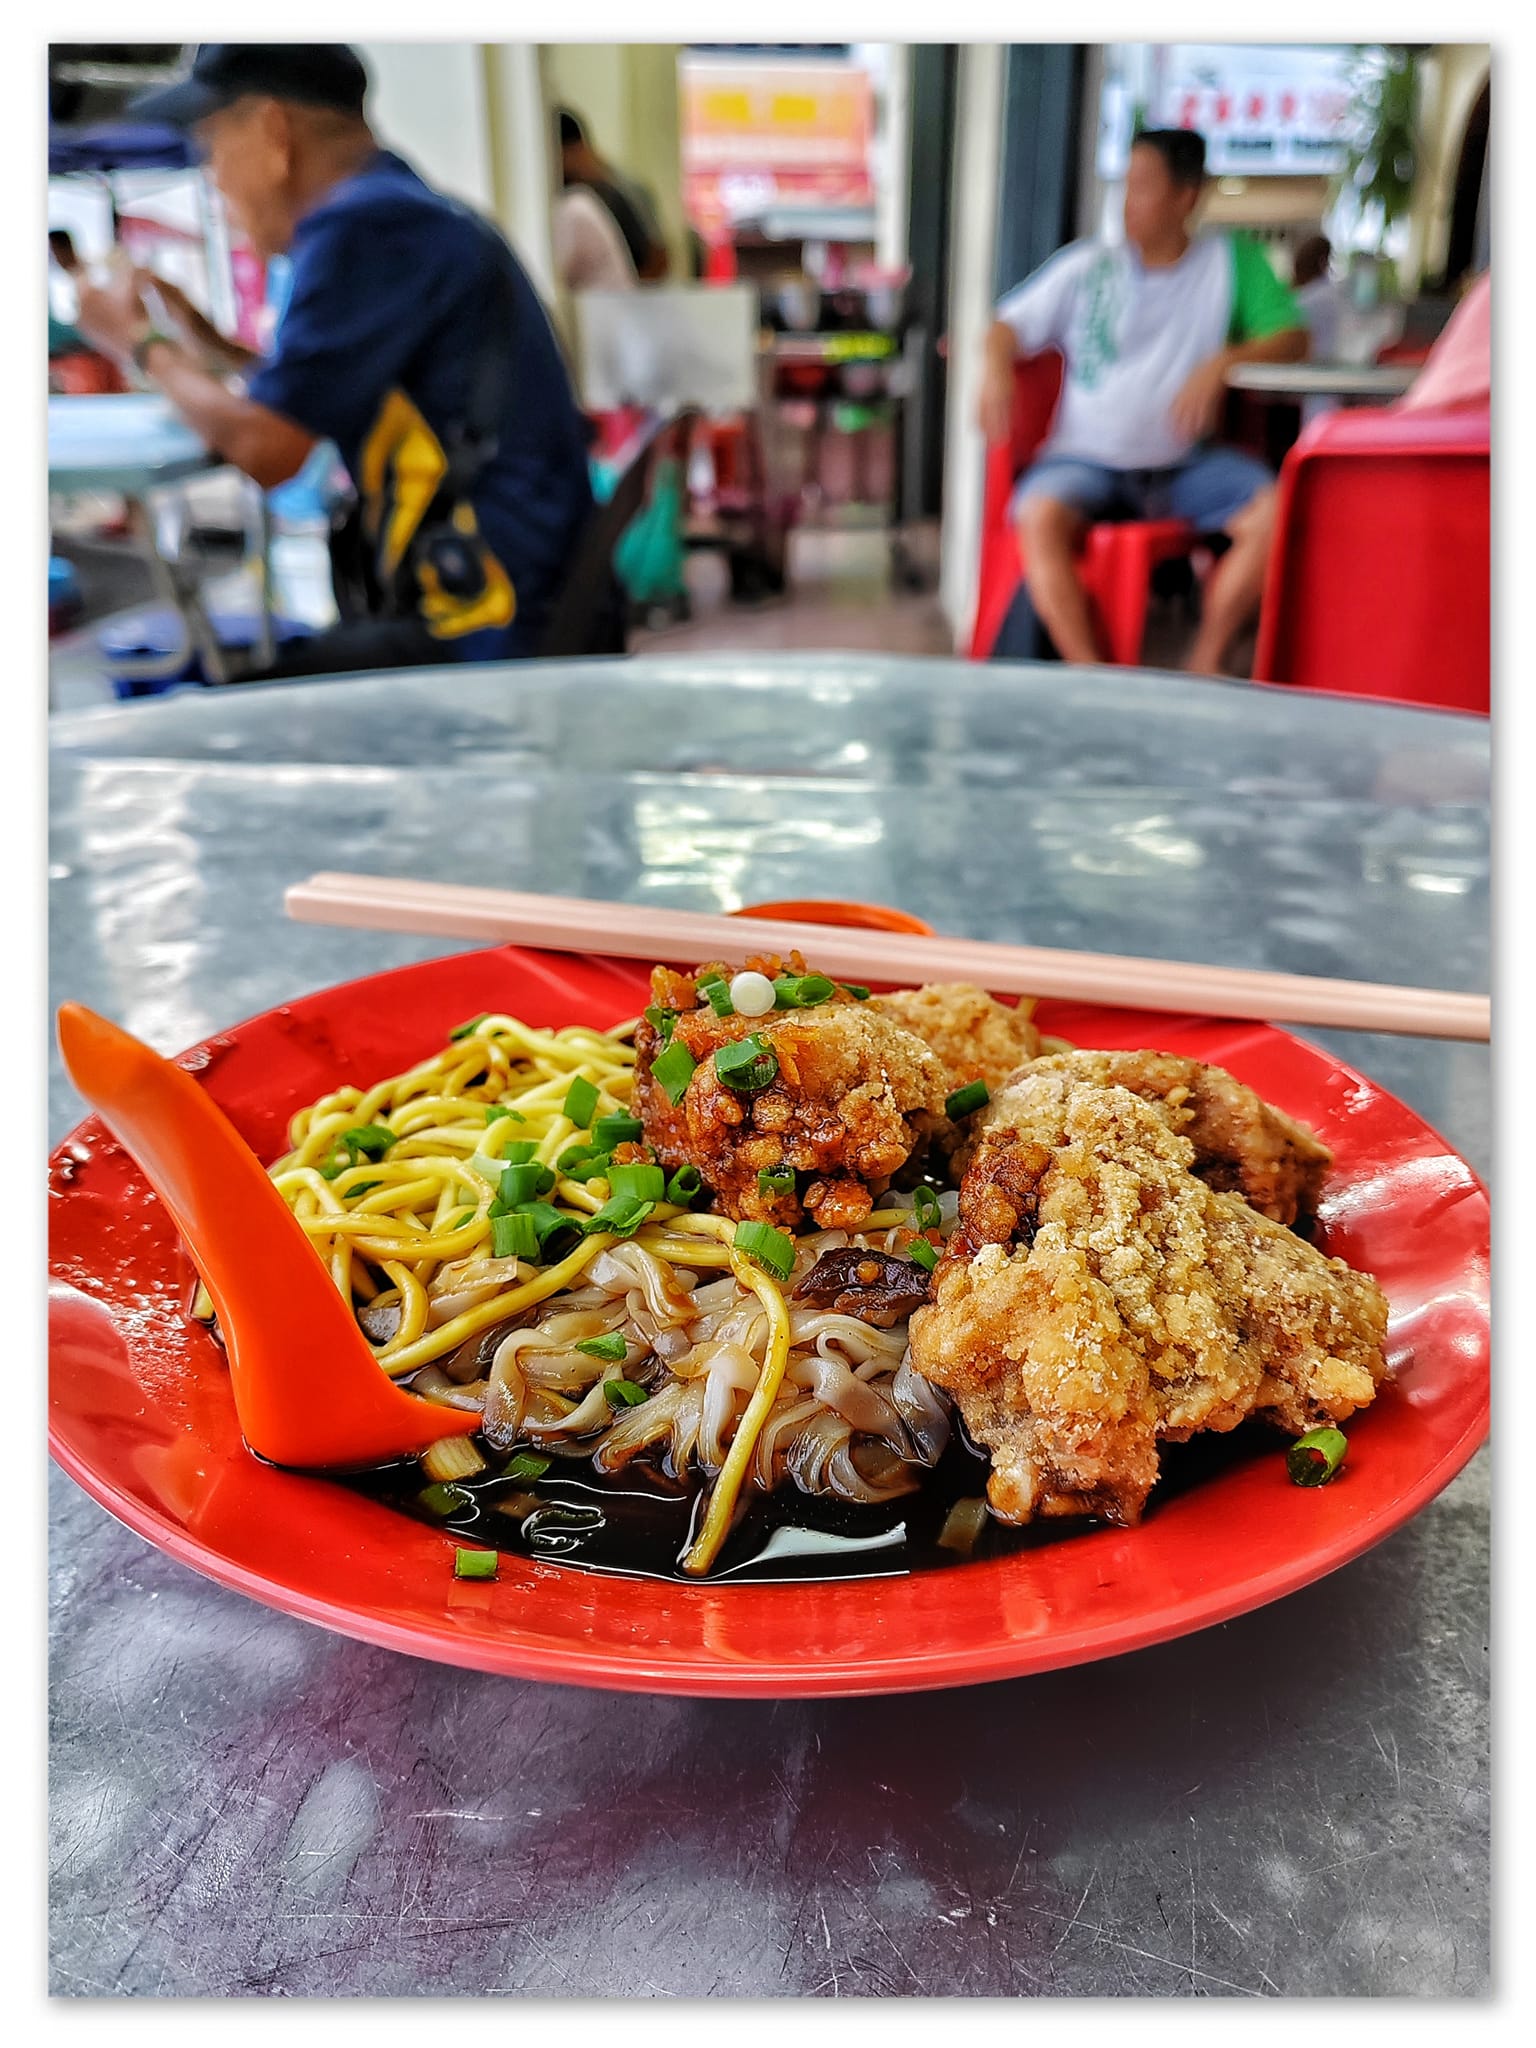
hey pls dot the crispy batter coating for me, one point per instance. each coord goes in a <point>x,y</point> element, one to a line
<point>854,1095</point>
<point>977,1037</point>
<point>1097,1297</point>
<point>1243,1145</point>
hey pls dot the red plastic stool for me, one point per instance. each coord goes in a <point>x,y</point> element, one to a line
<point>1117,566</point>
<point>1117,560</point>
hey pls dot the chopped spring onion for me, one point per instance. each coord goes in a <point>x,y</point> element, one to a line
<point>610,1346</point>
<point>1314,1458</point>
<point>459,1221</point>
<point>550,1225</point>
<point>500,1109</point>
<point>492,1165</point>
<point>368,1141</point>
<point>637,1183</point>
<point>525,1465</point>
<point>474,1564</point>
<point>444,1500</point>
<point>747,1065</point>
<point>624,1393</point>
<point>525,1183</point>
<point>581,1101</point>
<point>622,1215</point>
<point>857,990</point>
<point>672,1070</point>
<point>925,1207</point>
<point>617,1129</point>
<point>963,1525</point>
<point>684,1185</point>
<point>451,1457</point>
<point>587,1165</point>
<point>513,1236</point>
<point>801,991</point>
<point>468,1028</point>
<point>922,1253</point>
<point>661,1021</point>
<point>973,1096</point>
<point>772,1250</point>
<point>776,1180</point>
<point>364,1141</point>
<point>716,992</point>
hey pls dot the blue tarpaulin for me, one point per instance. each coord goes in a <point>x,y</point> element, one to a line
<point>118,146</point>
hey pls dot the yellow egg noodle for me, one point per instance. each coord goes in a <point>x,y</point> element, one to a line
<point>396,1186</point>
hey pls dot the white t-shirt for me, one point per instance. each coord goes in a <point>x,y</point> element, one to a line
<point>1322,308</point>
<point>589,252</point>
<point>1132,336</point>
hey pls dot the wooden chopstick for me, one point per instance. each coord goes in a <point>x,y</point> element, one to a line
<point>686,937</point>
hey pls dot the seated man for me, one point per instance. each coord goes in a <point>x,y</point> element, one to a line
<point>1148,329</point>
<point>412,338</point>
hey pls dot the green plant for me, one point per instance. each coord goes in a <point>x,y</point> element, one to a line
<point>1384,146</point>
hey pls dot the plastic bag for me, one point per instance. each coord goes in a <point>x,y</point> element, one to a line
<point>649,558</point>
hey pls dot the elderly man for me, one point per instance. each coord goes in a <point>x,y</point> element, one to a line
<point>1148,329</point>
<point>411,338</point>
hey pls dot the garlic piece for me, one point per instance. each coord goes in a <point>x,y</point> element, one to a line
<point>751,993</point>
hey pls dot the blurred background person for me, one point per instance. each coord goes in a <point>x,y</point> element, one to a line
<point>590,254</point>
<point>627,203</point>
<point>1148,329</point>
<point>74,366</point>
<point>412,338</point>
<point>1320,298</point>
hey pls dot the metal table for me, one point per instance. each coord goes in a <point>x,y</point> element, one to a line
<point>134,444</point>
<point>1364,381</point>
<point>1296,1802</point>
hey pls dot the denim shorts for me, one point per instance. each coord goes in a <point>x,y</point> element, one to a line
<point>1207,489</point>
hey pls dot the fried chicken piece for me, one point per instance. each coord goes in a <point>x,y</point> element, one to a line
<point>855,1093</point>
<point>1097,1298</point>
<point>1243,1145</point>
<point>977,1037</point>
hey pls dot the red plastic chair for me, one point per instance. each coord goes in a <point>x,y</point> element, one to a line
<point>1379,581</point>
<point>1118,558</point>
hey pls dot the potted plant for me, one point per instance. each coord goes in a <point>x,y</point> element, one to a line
<point>1384,148</point>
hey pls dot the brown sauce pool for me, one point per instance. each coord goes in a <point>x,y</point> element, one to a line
<point>639,1522</point>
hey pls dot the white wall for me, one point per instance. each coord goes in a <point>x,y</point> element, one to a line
<point>471,118</point>
<point>978,152</point>
<point>522,156</point>
<point>428,101</point>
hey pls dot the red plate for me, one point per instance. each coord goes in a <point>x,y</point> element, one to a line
<point>141,1414</point>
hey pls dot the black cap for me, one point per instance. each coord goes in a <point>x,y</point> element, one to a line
<point>314,74</point>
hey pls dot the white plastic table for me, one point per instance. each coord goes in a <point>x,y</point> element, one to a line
<point>1380,381</point>
<point>1295,1803</point>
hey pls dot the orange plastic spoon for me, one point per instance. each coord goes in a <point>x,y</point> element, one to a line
<point>308,1391</point>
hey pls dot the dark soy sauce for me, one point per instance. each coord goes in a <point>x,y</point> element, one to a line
<point>641,1520</point>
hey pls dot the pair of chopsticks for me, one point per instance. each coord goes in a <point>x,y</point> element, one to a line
<point>685,937</point>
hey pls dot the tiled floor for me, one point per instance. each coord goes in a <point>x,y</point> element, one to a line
<point>840,595</point>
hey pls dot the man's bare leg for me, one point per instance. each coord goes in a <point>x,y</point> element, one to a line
<point>1236,585</point>
<point>1051,534</point>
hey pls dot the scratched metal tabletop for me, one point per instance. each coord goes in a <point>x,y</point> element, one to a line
<point>1296,1802</point>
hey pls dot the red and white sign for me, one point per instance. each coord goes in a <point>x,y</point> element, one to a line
<point>1264,109</point>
